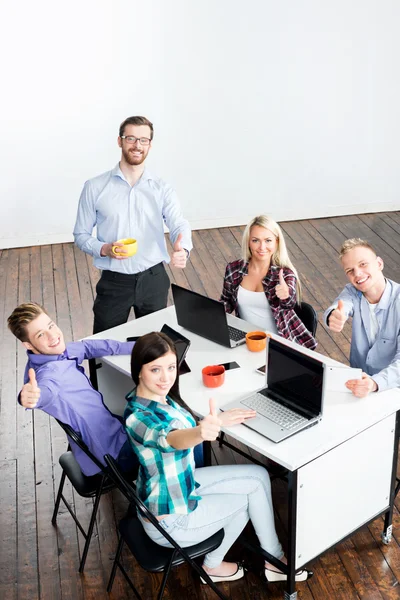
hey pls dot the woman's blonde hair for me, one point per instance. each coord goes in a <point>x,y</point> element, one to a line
<point>280,257</point>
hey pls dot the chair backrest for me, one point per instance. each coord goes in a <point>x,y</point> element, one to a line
<point>130,493</point>
<point>71,433</point>
<point>308,315</point>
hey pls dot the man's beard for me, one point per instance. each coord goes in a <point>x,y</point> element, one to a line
<point>134,160</point>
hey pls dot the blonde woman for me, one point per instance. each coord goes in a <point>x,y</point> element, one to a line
<point>263,286</point>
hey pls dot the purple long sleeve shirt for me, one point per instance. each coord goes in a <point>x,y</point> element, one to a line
<point>67,394</point>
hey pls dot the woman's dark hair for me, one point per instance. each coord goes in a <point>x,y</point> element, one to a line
<point>149,347</point>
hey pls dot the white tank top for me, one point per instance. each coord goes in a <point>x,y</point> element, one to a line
<point>373,321</point>
<point>254,307</point>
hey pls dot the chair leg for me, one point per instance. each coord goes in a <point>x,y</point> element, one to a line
<point>114,567</point>
<point>58,499</point>
<point>164,579</point>
<point>91,525</point>
<point>206,576</point>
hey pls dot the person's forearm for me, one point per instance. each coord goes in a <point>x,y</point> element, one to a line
<point>106,347</point>
<point>388,378</point>
<point>182,439</point>
<point>88,243</point>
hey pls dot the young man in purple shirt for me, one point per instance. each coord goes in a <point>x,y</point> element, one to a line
<point>55,382</point>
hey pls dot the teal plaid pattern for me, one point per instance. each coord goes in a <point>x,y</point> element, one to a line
<point>166,481</point>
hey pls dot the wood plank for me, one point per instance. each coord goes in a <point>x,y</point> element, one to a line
<point>28,583</point>
<point>8,527</point>
<point>42,291</point>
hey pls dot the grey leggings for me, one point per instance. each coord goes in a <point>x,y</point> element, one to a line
<point>230,496</point>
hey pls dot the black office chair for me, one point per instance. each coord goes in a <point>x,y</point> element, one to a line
<point>86,486</point>
<point>150,556</point>
<point>308,316</point>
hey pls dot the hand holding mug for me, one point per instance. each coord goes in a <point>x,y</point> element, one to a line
<point>179,256</point>
<point>337,318</point>
<point>210,426</point>
<point>107,250</point>
<point>282,289</point>
<point>30,392</point>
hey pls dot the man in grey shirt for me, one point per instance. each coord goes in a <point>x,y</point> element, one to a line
<point>130,202</point>
<point>374,303</point>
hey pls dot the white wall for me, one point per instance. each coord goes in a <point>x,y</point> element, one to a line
<point>289,108</point>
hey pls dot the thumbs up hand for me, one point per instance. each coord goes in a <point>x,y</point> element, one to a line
<point>210,426</point>
<point>337,318</point>
<point>282,290</point>
<point>179,255</point>
<point>30,392</point>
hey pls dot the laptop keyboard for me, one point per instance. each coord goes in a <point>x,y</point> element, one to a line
<point>236,334</point>
<point>282,416</point>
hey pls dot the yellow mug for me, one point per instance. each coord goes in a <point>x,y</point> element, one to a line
<point>130,247</point>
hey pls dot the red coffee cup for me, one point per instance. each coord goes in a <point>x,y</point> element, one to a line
<point>213,376</point>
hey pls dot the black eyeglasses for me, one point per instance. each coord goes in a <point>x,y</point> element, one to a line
<point>131,139</point>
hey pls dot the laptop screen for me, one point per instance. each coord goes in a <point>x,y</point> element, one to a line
<point>295,377</point>
<point>200,314</point>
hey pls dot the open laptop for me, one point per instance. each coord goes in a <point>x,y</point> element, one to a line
<point>182,346</point>
<point>206,317</point>
<point>294,396</point>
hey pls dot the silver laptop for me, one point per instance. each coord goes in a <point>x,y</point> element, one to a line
<point>294,397</point>
<point>206,317</point>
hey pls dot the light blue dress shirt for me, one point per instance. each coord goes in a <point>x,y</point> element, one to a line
<point>119,211</point>
<point>380,358</point>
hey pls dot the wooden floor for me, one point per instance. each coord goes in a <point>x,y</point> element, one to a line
<point>40,561</point>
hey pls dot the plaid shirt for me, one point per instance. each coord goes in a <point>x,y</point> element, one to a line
<point>165,482</point>
<point>287,322</point>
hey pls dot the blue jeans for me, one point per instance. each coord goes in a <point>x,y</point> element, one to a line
<point>230,496</point>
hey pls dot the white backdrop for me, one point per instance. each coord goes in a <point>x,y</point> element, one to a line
<point>289,108</point>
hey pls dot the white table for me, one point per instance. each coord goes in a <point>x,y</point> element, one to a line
<point>341,472</point>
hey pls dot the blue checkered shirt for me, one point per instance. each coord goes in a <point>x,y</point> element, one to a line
<point>166,481</point>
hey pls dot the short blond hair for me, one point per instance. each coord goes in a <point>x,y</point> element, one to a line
<point>352,243</point>
<point>21,317</point>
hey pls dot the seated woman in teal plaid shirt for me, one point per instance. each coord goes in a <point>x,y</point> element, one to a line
<point>192,504</point>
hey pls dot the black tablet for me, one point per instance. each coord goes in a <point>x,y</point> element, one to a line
<point>181,344</point>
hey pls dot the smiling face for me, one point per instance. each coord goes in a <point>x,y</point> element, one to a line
<point>157,377</point>
<point>135,154</point>
<point>262,243</point>
<point>44,337</point>
<point>363,269</point>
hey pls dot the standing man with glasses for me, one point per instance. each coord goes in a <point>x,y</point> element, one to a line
<point>130,202</point>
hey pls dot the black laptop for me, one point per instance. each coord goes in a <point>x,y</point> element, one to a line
<point>206,317</point>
